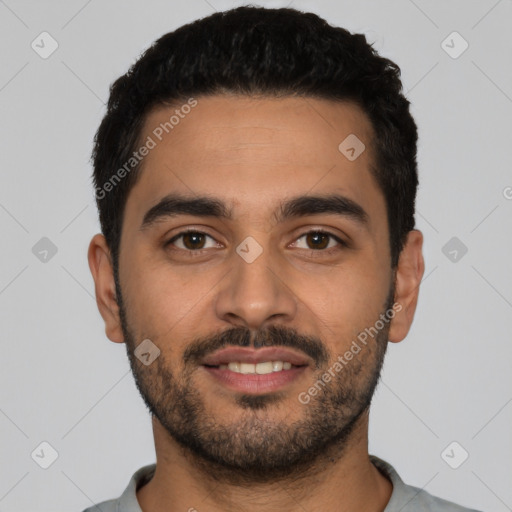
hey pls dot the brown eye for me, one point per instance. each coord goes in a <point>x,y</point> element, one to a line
<point>193,240</point>
<point>319,240</point>
<point>190,240</point>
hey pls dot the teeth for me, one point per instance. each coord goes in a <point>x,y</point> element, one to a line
<point>263,368</point>
<point>247,367</point>
<point>234,367</point>
<point>277,366</point>
<point>259,368</point>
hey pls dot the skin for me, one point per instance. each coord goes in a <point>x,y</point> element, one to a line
<point>254,153</point>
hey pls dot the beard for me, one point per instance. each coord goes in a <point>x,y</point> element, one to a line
<point>257,448</point>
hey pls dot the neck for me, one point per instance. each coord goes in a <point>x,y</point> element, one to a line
<point>342,479</point>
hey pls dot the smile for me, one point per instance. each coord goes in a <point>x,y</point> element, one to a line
<point>262,368</point>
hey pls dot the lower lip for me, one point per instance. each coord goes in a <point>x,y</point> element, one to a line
<point>254,383</point>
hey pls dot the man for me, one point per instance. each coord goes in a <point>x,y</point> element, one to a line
<point>256,177</point>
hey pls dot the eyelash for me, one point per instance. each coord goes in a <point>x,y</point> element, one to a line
<point>341,243</point>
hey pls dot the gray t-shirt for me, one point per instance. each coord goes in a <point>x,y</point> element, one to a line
<point>404,498</point>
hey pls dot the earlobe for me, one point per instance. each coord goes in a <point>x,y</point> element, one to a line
<point>100,264</point>
<point>409,273</point>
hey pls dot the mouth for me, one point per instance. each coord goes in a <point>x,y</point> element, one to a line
<point>262,368</point>
<point>256,371</point>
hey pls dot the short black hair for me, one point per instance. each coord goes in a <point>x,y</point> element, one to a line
<point>255,51</point>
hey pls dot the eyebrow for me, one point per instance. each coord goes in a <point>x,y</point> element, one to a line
<point>173,205</point>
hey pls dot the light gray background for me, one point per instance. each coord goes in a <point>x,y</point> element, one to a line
<point>63,382</point>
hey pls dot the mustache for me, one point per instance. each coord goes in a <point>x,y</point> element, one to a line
<point>273,336</point>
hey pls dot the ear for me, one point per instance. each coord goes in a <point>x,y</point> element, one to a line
<point>100,263</point>
<point>409,273</point>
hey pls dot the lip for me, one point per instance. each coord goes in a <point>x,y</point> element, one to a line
<point>250,355</point>
<point>253,383</point>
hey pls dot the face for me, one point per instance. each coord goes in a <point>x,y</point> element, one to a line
<point>251,244</point>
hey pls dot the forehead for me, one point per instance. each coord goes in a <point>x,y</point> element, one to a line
<point>253,152</point>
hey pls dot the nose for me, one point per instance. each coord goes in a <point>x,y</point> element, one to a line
<point>255,292</point>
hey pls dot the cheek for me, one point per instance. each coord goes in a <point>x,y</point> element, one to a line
<point>164,302</point>
<point>346,303</point>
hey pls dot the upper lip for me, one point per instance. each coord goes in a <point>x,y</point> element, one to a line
<point>250,355</point>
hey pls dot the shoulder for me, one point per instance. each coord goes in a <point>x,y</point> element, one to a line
<point>127,502</point>
<point>422,501</point>
<point>104,506</point>
<point>407,498</point>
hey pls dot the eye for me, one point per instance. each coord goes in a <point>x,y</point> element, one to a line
<point>191,240</point>
<point>318,239</point>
